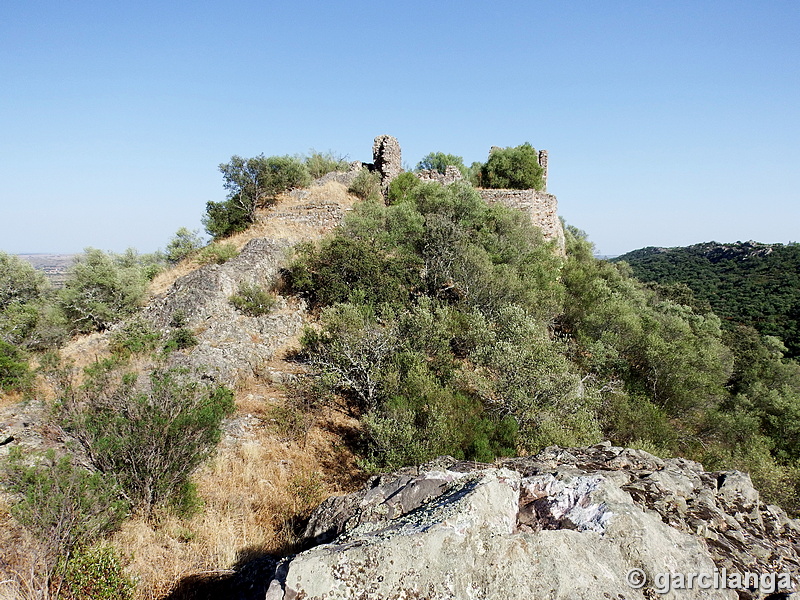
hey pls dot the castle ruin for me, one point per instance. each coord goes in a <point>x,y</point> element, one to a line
<point>541,207</point>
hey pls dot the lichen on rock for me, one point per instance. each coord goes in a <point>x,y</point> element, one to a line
<point>567,523</point>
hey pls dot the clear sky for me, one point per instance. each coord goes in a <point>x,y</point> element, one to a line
<point>667,123</point>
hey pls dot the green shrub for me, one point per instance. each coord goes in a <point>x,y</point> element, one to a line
<point>184,243</point>
<point>97,574</point>
<point>344,266</point>
<point>186,502</point>
<point>29,313</point>
<point>152,435</point>
<point>283,173</point>
<point>223,219</point>
<point>216,253</point>
<point>19,281</point>
<point>321,163</point>
<point>179,319</point>
<point>103,288</point>
<point>402,187</point>
<point>513,168</point>
<point>136,337</point>
<point>253,300</point>
<point>62,505</point>
<point>181,338</point>
<point>367,186</point>
<point>14,372</point>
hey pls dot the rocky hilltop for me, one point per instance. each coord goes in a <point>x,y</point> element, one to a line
<point>599,522</point>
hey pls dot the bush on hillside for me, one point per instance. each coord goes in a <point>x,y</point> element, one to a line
<point>367,186</point>
<point>402,187</point>
<point>322,163</point>
<point>61,504</point>
<point>135,337</point>
<point>412,289</point>
<point>14,372</point>
<point>184,243</point>
<point>180,338</point>
<point>151,434</point>
<point>29,314</point>
<point>216,253</point>
<point>223,219</point>
<point>19,282</point>
<point>252,300</point>
<point>103,288</point>
<point>96,573</point>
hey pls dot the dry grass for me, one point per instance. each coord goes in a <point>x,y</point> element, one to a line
<point>10,398</point>
<point>255,492</point>
<point>20,561</point>
<point>85,350</point>
<point>164,280</point>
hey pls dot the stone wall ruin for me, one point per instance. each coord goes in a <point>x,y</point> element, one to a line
<point>541,207</point>
<point>387,159</point>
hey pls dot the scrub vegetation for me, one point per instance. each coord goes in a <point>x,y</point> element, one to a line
<point>436,324</point>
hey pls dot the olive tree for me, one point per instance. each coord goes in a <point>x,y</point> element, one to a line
<point>102,288</point>
<point>251,182</point>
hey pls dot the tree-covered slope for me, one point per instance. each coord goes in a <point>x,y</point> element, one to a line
<point>744,283</point>
<point>449,327</point>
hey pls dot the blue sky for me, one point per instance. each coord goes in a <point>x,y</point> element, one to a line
<point>667,123</point>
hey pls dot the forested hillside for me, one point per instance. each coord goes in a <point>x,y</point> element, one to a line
<point>744,283</point>
<point>452,328</point>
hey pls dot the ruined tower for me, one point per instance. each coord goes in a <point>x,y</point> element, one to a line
<point>386,158</point>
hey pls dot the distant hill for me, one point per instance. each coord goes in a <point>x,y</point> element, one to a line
<point>744,282</point>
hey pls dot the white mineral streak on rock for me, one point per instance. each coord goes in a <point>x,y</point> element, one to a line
<point>570,502</point>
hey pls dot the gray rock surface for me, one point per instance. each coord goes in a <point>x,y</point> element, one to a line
<point>567,523</point>
<point>231,345</point>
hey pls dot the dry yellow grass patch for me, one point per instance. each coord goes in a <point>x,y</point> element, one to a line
<point>10,398</point>
<point>84,350</point>
<point>20,560</point>
<point>255,492</point>
<point>164,280</point>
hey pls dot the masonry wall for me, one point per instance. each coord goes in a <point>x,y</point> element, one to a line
<point>540,206</point>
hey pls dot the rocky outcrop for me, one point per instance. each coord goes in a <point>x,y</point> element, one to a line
<point>232,346</point>
<point>599,522</point>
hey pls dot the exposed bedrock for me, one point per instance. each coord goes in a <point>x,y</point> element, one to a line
<point>567,523</point>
